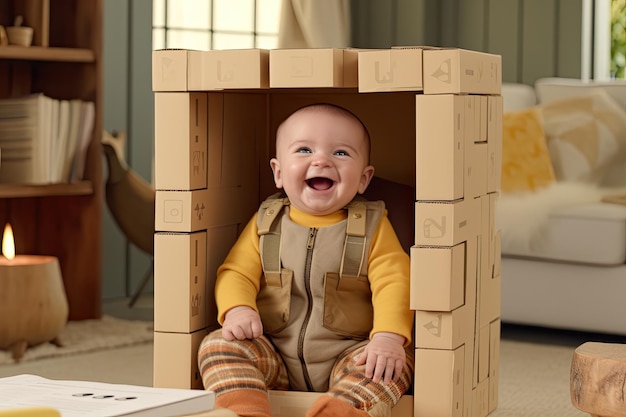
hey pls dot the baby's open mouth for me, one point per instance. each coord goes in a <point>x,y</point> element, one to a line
<point>320,183</point>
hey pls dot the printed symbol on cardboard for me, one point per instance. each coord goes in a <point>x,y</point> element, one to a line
<point>167,68</point>
<point>195,304</point>
<point>223,74</point>
<point>434,229</point>
<point>383,77</point>
<point>197,162</point>
<point>434,326</point>
<point>301,67</point>
<point>172,211</point>
<point>199,209</point>
<point>442,73</point>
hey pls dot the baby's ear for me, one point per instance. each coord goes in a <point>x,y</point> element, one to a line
<point>366,177</point>
<point>278,174</point>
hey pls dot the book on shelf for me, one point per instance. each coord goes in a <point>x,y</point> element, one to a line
<point>41,139</point>
<point>98,399</point>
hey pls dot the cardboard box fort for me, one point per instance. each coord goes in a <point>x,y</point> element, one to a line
<point>437,162</point>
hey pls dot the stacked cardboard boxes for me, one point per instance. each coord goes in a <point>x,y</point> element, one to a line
<point>434,116</point>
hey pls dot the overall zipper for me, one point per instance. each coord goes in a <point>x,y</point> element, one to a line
<point>307,317</point>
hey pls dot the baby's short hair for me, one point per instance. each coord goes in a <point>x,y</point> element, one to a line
<point>333,109</point>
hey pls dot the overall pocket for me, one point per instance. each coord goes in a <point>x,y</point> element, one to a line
<point>348,310</point>
<point>273,302</point>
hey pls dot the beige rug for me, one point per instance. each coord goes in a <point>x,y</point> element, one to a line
<point>89,336</point>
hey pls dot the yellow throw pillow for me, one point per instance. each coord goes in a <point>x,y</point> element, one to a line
<point>526,164</point>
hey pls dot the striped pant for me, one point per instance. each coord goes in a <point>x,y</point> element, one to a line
<point>228,366</point>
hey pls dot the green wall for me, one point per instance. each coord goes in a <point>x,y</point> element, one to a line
<point>536,38</point>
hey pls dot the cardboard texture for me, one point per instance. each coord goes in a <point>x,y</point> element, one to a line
<point>494,141</point>
<point>437,277</point>
<point>169,69</point>
<point>441,393</point>
<point>440,149</point>
<point>218,70</point>
<point>175,363</point>
<point>396,69</point>
<point>445,143</point>
<point>460,71</point>
<point>449,330</point>
<point>309,68</point>
<point>180,141</point>
<point>180,285</point>
<point>443,223</point>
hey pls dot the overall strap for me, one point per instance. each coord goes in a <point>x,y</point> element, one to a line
<point>354,244</point>
<point>269,230</point>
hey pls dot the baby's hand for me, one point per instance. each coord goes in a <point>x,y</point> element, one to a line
<point>383,357</point>
<point>242,323</point>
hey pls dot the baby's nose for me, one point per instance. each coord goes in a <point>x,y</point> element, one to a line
<point>321,160</point>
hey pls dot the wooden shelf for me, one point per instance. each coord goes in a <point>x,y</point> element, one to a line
<point>40,53</point>
<point>46,190</point>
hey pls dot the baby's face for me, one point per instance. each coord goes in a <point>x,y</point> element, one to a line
<point>321,161</point>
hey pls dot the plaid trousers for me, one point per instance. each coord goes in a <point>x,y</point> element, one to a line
<point>254,364</point>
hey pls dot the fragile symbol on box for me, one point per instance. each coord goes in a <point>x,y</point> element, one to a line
<point>442,73</point>
<point>434,229</point>
<point>195,305</point>
<point>199,209</point>
<point>197,161</point>
<point>434,326</point>
<point>173,211</point>
<point>167,68</point>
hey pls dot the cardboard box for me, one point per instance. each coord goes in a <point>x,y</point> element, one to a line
<point>481,399</point>
<point>441,223</point>
<point>228,69</point>
<point>494,364</point>
<point>176,360</point>
<point>483,117</point>
<point>180,141</point>
<point>182,211</point>
<point>460,71</point>
<point>441,393</point>
<point>449,330</point>
<point>437,277</point>
<point>494,141</point>
<point>169,69</point>
<point>469,385</point>
<point>440,147</point>
<point>395,69</point>
<point>180,282</point>
<point>476,167</point>
<point>296,404</point>
<point>316,67</point>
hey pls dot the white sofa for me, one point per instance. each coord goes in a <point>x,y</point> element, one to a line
<point>576,277</point>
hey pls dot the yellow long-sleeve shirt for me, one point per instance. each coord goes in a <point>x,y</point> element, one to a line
<point>239,277</point>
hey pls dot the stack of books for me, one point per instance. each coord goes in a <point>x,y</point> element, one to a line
<point>44,140</point>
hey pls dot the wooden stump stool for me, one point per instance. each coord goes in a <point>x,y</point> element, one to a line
<point>598,379</point>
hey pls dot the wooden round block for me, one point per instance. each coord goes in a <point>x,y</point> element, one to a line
<point>598,379</point>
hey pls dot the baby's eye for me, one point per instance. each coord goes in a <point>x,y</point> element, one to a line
<point>341,153</point>
<point>303,150</point>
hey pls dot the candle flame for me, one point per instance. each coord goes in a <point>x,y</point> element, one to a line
<point>8,244</point>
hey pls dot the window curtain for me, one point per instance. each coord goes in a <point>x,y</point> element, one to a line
<point>314,24</point>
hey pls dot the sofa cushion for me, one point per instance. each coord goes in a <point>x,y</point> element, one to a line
<point>591,233</point>
<point>586,136</point>
<point>526,163</point>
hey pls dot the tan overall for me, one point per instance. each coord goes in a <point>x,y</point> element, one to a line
<point>315,300</point>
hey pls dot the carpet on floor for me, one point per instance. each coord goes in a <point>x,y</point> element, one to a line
<point>84,336</point>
